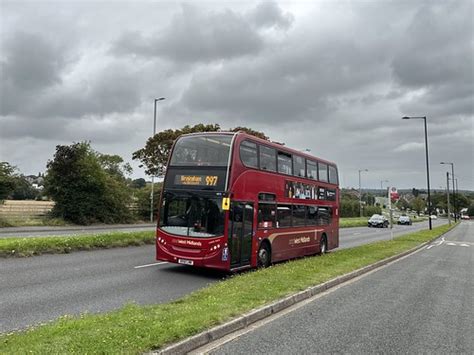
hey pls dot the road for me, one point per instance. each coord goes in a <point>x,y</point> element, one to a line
<point>47,231</point>
<point>423,304</point>
<point>43,288</point>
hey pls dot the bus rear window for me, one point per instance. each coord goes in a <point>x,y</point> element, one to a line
<point>211,150</point>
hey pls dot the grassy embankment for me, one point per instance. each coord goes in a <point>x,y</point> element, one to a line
<point>136,329</point>
<point>11,247</point>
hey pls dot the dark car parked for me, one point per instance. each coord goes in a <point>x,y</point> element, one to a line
<point>377,221</point>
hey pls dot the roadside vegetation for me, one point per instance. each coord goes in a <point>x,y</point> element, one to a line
<point>21,247</point>
<point>137,329</point>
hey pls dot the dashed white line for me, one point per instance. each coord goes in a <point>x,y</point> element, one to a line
<point>154,264</point>
<point>451,244</point>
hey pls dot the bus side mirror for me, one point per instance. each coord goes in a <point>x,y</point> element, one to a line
<point>226,203</point>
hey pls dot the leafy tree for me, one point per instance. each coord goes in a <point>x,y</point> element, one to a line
<point>23,190</point>
<point>470,210</point>
<point>114,165</point>
<point>418,205</point>
<point>7,180</point>
<point>86,187</point>
<point>402,204</point>
<point>138,183</point>
<point>154,156</point>
<point>370,210</point>
<point>250,131</point>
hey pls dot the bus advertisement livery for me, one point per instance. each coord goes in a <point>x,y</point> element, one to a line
<point>232,201</point>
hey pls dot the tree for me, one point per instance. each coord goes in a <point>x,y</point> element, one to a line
<point>470,210</point>
<point>418,205</point>
<point>87,187</point>
<point>7,180</point>
<point>138,183</point>
<point>23,190</point>
<point>154,156</point>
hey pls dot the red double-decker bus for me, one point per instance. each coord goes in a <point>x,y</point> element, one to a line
<point>232,201</point>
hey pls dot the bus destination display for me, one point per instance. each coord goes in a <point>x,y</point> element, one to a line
<point>196,180</point>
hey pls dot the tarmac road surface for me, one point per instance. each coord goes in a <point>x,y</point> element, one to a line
<point>423,303</point>
<point>42,288</point>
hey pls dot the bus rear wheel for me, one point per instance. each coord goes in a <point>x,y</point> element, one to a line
<point>263,255</point>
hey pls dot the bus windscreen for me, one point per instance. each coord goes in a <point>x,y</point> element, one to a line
<point>211,150</point>
<point>192,215</point>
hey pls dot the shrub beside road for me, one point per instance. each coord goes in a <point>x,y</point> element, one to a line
<point>137,329</point>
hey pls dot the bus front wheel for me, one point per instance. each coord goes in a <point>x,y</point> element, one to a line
<point>324,245</point>
<point>263,255</point>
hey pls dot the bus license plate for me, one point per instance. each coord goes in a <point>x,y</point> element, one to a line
<point>185,262</point>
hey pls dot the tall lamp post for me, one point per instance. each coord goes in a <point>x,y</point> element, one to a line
<point>153,176</point>
<point>427,163</point>
<point>454,191</point>
<point>360,193</point>
<point>381,183</point>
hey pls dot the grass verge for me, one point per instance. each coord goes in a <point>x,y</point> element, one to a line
<point>348,222</point>
<point>136,329</point>
<point>11,247</point>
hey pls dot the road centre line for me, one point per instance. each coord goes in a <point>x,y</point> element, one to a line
<point>154,264</point>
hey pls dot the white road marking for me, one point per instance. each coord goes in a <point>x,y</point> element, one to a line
<point>154,264</point>
<point>451,244</point>
<point>464,245</point>
<point>429,247</point>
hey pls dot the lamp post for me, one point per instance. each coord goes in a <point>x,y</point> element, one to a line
<point>454,191</point>
<point>360,193</point>
<point>447,197</point>
<point>153,176</point>
<point>381,183</point>
<point>427,163</point>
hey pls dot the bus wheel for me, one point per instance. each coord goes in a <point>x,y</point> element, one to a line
<point>324,245</point>
<point>263,255</point>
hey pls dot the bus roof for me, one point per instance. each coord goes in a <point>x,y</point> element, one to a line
<point>275,145</point>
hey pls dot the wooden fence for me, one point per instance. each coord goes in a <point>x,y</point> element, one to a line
<point>13,209</point>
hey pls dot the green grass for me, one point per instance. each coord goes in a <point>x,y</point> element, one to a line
<point>348,222</point>
<point>11,247</point>
<point>136,329</point>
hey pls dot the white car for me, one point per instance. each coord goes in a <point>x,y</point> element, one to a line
<point>433,216</point>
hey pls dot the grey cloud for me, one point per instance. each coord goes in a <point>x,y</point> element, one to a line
<point>114,89</point>
<point>30,64</point>
<point>436,56</point>
<point>269,14</point>
<point>301,81</point>
<point>193,36</point>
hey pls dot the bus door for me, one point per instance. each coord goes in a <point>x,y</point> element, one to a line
<point>240,233</point>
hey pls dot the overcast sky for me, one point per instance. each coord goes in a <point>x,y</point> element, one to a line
<point>331,76</point>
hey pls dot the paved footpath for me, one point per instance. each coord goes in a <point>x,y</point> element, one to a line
<point>423,303</point>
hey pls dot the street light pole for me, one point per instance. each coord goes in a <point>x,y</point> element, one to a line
<point>454,191</point>
<point>447,193</point>
<point>427,164</point>
<point>153,176</point>
<point>360,193</point>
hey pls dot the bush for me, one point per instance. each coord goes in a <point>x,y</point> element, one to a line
<point>86,191</point>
